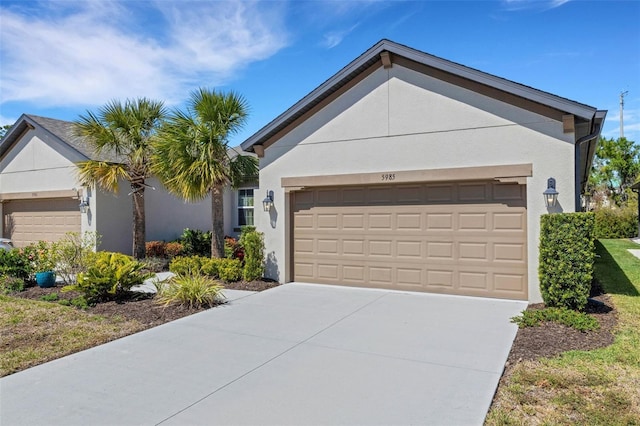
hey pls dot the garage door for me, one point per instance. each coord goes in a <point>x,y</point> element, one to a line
<point>28,221</point>
<point>466,238</point>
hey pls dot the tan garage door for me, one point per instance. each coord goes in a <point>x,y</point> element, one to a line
<point>28,221</point>
<point>466,238</point>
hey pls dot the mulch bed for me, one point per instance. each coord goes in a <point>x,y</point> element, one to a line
<point>551,339</point>
<point>143,308</point>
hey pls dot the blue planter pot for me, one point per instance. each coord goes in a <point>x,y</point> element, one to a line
<point>46,279</point>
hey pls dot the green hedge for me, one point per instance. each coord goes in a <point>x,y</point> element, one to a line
<point>616,223</point>
<point>253,243</point>
<point>567,254</point>
<point>229,270</point>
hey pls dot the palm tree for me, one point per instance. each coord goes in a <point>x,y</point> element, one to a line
<point>123,133</point>
<point>192,155</point>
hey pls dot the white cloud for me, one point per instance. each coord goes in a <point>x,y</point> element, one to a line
<point>86,53</point>
<point>334,38</point>
<point>516,5</point>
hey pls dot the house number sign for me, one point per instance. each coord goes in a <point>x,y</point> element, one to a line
<point>386,177</point>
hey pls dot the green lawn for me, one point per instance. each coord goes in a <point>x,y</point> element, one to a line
<point>34,332</point>
<point>599,387</point>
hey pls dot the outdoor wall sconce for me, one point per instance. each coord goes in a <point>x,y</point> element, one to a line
<point>550,194</point>
<point>267,203</point>
<point>84,205</point>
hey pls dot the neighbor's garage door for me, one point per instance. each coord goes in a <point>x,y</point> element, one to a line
<point>466,238</point>
<point>28,221</point>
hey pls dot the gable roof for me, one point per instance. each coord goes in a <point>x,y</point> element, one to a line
<point>376,55</point>
<point>62,130</point>
<point>65,132</point>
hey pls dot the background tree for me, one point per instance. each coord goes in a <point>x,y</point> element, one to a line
<point>616,167</point>
<point>124,131</point>
<point>4,129</point>
<point>192,155</point>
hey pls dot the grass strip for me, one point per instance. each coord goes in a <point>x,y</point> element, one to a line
<point>34,332</point>
<point>599,387</point>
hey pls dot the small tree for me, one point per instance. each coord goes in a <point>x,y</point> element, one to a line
<point>192,153</point>
<point>4,129</point>
<point>616,167</point>
<point>125,131</point>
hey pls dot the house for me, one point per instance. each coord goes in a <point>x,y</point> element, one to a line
<point>407,171</point>
<point>40,194</point>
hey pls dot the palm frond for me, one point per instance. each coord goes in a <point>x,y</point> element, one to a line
<point>190,151</point>
<point>102,174</point>
<point>243,169</point>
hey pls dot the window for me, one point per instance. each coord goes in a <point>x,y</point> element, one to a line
<point>245,207</point>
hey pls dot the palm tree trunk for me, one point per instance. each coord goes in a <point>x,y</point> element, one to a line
<point>217,221</point>
<point>138,222</point>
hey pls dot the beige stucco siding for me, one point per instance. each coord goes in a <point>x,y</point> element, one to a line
<point>398,119</point>
<point>169,215</point>
<point>38,163</point>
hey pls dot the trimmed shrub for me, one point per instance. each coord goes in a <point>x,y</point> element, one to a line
<point>567,254</point>
<point>155,264</point>
<point>577,320</point>
<point>210,267</point>
<point>155,248</point>
<point>196,242</point>
<point>17,263</point>
<point>185,265</point>
<point>616,223</point>
<point>253,243</point>
<point>173,249</point>
<point>233,249</point>
<point>230,270</point>
<point>109,277</point>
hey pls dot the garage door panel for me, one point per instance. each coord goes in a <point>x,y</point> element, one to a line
<point>473,280</point>
<point>29,221</point>
<point>410,249</point>
<point>439,193</point>
<point>473,192</point>
<point>458,238</point>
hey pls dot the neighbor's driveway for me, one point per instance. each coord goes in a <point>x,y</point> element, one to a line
<point>296,354</point>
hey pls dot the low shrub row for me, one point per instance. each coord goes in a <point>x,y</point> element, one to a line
<point>229,270</point>
<point>577,320</point>
<point>616,223</point>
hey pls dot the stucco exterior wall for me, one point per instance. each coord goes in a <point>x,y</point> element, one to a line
<point>167,215</point>
<point>112,219</point>
<point>397,119</point>
<point>38,162</point>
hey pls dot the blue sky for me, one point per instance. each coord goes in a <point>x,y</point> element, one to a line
<point>61,58</point>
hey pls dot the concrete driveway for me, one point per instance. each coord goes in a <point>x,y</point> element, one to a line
<point>297,354</point>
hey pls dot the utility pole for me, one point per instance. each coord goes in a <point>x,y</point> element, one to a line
<point>622,95</point>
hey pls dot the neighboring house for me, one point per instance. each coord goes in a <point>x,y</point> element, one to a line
<point>40,193</point>
<point>407,171</point>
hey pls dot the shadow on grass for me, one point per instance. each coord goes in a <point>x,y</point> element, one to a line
<point>610,275</point>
